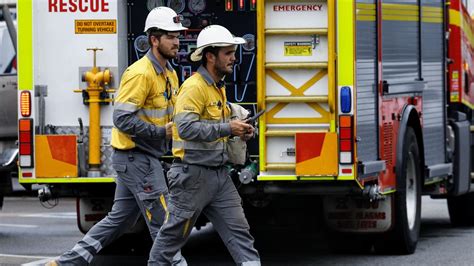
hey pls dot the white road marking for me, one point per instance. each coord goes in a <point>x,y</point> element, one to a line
<point>13,259</point>
<point>21,199</point>
<point>56,215</point>
<point>40,262</point>
<point>60,215</point>
<point>19,225</point>
<point>30,260</point>
<point>23,256</point>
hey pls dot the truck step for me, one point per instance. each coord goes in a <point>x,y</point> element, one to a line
<point>281,166</point>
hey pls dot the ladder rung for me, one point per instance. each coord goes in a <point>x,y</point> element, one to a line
<point>308,31</point>
<point>281,166</point>
<point>297,99</point>
<point>290,132</point>
<point>472,175</point>
<point>295,65</point>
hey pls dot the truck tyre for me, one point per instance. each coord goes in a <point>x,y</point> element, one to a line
<point>407,209</point>
<point>6,183</point>
<point>5,186</point>
<point>461,210</point>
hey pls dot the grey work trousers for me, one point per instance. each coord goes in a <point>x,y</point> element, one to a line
<point>195,189</point>
<point>140,189</point>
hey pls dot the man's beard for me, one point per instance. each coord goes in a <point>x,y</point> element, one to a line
<point>168,55</point>
<point>222,70</point>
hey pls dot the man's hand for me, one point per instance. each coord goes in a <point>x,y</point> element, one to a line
<point>247,137</point>
<point>239,128</point>
<point>169,130</point>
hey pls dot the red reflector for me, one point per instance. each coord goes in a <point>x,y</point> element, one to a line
<point>346,145</point>
<point>25,137</point>
<point>27,174</point>
<point>25,103</point>
<point>345,133</point>
<point>347,171</point>
<point>345,121</point>
<point>24,124</point>
<point>25,149</point>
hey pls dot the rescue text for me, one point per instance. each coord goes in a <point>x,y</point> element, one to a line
<point>55,6</point>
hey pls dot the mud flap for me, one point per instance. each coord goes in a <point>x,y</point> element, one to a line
<point>91,210</point>
<point>348,214</point>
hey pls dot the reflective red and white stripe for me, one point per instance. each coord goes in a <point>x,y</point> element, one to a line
<point>346,139</point>
<point>25,138</point>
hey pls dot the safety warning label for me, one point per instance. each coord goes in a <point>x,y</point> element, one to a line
<point>298,49</point>
<point>98,26</point>
<point>347,214</point>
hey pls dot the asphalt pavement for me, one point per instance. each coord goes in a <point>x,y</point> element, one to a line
<point>31,234</point>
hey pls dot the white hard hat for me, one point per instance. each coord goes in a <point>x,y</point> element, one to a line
<point>214,35</point>
<point>164,18</point>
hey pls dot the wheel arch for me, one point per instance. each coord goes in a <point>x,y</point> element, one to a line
<point>410,118</point>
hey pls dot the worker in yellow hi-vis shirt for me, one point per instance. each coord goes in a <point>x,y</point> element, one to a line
<point>142,115</point>
<point>198,180</point>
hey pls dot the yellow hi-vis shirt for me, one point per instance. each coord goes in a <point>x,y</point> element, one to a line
<point>201,121</point>
<point>143,106</point>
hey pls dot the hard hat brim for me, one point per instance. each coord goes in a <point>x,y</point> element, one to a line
<point>175,28</point>
<point>196,55</point>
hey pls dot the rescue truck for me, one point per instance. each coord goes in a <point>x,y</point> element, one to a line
<point>368,105</point>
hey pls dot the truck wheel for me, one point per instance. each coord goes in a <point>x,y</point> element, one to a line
<point>6,183</point>
<point>461,210</point>
<point>404,236</point>
<point>5,186</point>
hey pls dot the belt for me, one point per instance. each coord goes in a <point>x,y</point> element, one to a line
<point>134,150</point>
<point>178,160</point>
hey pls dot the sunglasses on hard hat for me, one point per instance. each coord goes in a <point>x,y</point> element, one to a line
<point>178,19</point>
